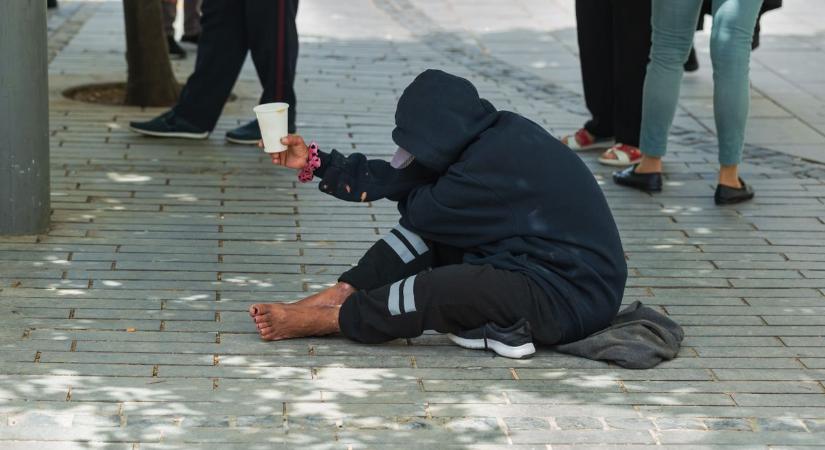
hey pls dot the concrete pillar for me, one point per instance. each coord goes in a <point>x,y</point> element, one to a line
<point>24,118</point>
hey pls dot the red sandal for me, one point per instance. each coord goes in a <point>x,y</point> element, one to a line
<point>583,140</point>
<point>625,155</point>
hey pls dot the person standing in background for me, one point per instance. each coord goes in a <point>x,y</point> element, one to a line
<point>191,24</point>
<point>614,43</point>
<point>230,30</point>
<point>692,64</point>
<point>674,23</point>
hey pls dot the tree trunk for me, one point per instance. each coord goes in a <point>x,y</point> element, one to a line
<point>151,81</point>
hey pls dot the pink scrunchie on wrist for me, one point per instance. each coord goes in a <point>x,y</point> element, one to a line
<point>313,162</point>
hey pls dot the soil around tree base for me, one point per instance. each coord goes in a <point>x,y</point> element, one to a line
<point>112,93</point>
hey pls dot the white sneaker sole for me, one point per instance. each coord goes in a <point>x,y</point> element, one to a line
<point>242,141</point>
<point>176,134</point>
<point>522,351</point>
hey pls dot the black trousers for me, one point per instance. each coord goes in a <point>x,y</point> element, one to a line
<point>614,45</point>
<point>229,29</point>
<point>407,285</point>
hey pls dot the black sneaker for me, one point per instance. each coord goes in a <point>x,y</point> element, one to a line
<point>513,342</point>
<point>692,63</point>
<point>248,134</point>
<point>168,125</point>
<point>190,38</point>
<point>175,50</point>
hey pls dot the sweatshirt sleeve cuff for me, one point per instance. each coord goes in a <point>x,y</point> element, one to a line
<point>326,161</point>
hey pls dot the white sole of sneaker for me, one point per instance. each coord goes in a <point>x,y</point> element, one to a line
<point>177,134</point>
<point>522,351</point>
<point>242,141</point>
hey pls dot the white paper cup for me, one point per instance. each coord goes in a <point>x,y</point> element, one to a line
<point>272,118</point>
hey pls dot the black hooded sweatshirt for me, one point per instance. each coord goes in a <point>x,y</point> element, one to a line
<point>501,188</point>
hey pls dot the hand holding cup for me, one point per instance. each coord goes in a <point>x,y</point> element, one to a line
<point>295,156</point>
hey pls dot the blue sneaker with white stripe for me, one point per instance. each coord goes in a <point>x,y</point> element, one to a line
<point>512,342</point>
<point>169,125</point>
<point>246,134</point>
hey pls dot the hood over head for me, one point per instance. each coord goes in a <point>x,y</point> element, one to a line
<point>438,116</point>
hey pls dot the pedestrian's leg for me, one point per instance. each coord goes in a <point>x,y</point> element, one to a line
<point>221,53</point>
<point>448,299</point>
<point>631,49</point>
<point>730,49</point>
<point>594,27</point>
<point>169,9</point>
<point>273,41</point>
<point>191,17</point>
<point>673,24</point>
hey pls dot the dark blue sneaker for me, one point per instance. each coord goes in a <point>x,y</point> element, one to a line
<point>512,342</point>
<point>168,125</point>
<point>248,134</point>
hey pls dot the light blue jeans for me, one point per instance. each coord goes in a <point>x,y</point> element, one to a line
<point>674,23</point>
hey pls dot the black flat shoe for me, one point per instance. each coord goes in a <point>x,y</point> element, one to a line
<point>726,195</point>
<point>175,50</point>
<point>648,182</point>
<point>692,63</point>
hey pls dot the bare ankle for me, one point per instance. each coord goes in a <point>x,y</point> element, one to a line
<point>729,176</point>
<point>649,165</point>
<point>344,288</point>
<point>341,292</point>
<point>331,296</point>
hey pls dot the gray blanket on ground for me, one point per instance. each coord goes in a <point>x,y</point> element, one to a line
<point>638,338</point>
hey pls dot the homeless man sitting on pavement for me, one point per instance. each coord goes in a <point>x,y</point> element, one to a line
<point>505,237</point>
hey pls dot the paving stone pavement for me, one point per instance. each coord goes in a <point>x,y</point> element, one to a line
<point>125,327</point>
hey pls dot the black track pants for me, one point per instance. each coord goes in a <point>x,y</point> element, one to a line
<point>230,30</point>
<point>407,285</point>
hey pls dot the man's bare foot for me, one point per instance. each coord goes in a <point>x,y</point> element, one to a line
<point>276,321</point>
<point>332,296</point>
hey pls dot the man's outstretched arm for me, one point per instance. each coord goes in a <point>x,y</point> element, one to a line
<point>355,178</point>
